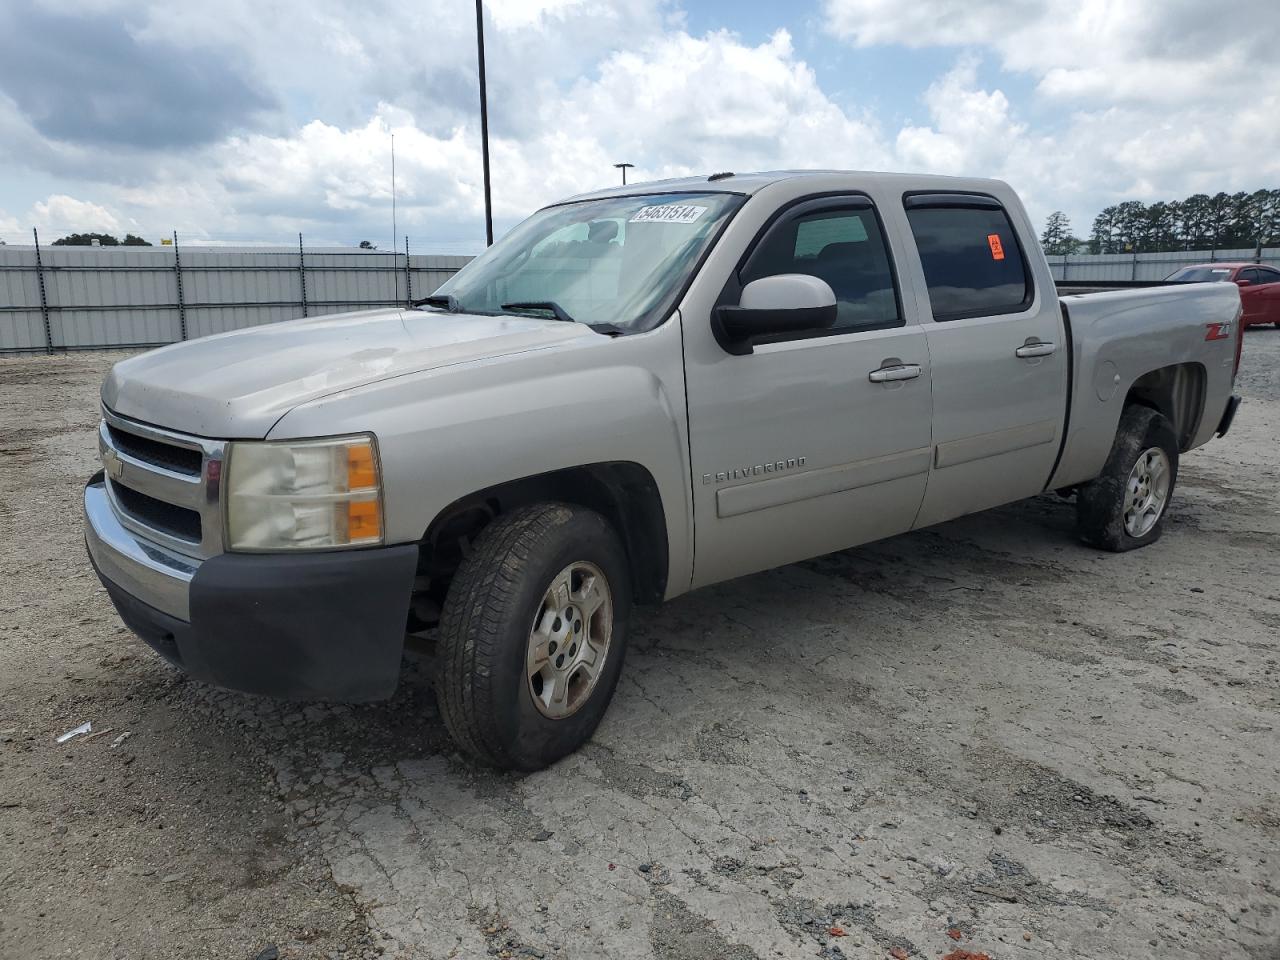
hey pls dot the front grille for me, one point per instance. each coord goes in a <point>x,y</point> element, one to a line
<point>166,455</point>
<point>166,517</point>
<point>164,485</point>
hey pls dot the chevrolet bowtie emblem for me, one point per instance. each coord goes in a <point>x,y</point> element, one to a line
<point>113,465</point>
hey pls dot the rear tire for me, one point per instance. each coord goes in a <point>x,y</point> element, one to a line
<point>532,636</point>
<point>1124,507</point>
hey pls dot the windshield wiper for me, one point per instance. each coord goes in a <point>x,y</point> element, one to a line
<point>443,301</point>
<point>550,306</point>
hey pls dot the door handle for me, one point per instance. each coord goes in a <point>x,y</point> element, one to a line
<point>898,371</point>
<point>1036,348</point>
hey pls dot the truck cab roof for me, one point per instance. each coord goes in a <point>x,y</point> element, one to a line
<point>750,183</point>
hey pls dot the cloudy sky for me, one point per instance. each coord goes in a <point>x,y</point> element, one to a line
<point>251,120</point>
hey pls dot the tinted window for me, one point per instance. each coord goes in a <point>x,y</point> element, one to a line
<point>1268,276</point>
<point>843,247</point>
<point>1199,275</point>
<point>1248,274</point>
<point>971,259</point>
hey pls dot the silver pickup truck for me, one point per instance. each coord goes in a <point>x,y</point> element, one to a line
<point>635,393</point>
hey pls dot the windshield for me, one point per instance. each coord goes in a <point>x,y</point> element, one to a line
<point>617,263</point>
<point>1199,274</point>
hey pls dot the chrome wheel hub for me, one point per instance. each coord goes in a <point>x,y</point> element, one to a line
<point>1146,492</point>
<point>569,640</point>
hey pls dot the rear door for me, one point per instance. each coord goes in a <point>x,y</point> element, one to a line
<point>811,443</point>
<point>999,363</point>
<point>1269,295</point>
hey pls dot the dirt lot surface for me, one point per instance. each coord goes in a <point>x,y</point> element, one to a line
<point>983,737</point>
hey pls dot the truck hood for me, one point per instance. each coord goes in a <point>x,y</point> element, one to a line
<point>238,384</point>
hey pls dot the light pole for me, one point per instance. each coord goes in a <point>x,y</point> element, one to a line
<point>484,124</point>
<point>623,168</point>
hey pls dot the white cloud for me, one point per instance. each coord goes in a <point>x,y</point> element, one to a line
<point>1145,51</point>
<point>1145,99</point>
<point>62,214</point>
<point>1132,99</point>
<point>673,105</point>
<point>10,230</point>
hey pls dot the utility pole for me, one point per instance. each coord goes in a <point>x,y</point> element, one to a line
<point>623,167</point>
<point>484,124</point>
<point>393,191</point>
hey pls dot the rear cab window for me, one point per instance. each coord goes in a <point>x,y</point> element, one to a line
<point>973,262</point>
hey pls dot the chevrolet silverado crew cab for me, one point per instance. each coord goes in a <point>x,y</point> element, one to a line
<point>635,393</point>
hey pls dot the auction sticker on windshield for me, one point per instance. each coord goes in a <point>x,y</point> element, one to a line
<point>668,213</point>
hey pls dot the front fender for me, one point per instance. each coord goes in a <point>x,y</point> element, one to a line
<point>447,433</point>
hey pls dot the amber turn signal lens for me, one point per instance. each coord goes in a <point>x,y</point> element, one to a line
<point>362,474</point>
<point>364,521</point>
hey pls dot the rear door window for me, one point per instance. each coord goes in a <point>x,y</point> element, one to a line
<point>973,263</point>
<point>1267,275</point>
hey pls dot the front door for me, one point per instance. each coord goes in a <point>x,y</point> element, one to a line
<point>999,357</point>
<point>1252,304</point>
<point>809,444</point>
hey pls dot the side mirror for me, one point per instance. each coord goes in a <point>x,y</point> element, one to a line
<point>1244,283</point>
<point>786,303</point>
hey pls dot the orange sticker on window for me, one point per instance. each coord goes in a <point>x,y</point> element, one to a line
<point>997,251</point>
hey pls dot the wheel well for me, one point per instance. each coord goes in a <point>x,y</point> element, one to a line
<point>624,493</point>
<point>1176,391</point>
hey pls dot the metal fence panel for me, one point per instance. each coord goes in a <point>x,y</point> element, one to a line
<point>117,296</point>
<point>1147,266</point>
<point>21,321</point>
<point>128,296</point>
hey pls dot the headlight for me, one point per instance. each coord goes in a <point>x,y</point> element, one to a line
<point>304,495</point>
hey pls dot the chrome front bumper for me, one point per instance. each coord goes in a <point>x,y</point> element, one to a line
<point>153,574</point>
<point>322,626</point>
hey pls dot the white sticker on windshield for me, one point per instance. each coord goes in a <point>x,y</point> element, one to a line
<point>669,213</point>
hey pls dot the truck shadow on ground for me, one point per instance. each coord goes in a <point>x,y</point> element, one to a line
<point>812,625</point>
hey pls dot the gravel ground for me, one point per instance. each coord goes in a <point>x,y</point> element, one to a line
<point>982,737</point>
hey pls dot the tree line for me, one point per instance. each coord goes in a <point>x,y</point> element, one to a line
<point>1200,222</point>
<point>104,240</point>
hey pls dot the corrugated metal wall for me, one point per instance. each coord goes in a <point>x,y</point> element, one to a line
<point>1147,266</point>
<point>129,296</point>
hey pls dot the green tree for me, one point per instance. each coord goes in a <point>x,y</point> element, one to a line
<point>130,240</point>
<point>86,240</point>
<point>1102,237</point>
<point>1130,226</point>
<point>1268,213</point>
<point>1196,233</point>
<point>366,245</point>
<point>1221,212</point>
<point>1162,227</point>
<point>1057,238</point>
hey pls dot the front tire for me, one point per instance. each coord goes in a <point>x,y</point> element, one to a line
<point>1124,507</point>
<point>532,636</point>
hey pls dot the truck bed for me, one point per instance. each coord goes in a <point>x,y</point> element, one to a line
<point>1114,336</point>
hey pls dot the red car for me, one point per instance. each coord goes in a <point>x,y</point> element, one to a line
<point>1259,287</point>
